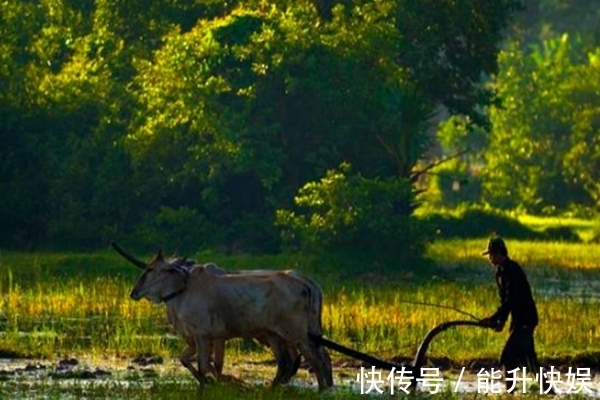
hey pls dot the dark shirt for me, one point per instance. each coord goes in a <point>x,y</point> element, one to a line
<point>515,296</point>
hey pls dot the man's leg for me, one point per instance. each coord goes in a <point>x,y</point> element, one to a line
<point>533,362</point>
<point>519,352</point>
<point>509,359</point>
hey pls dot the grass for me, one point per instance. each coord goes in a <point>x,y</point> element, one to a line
<point>55,305</point>
<point>537,256</point>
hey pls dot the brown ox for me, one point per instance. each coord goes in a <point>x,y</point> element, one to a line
<point>209,307</point>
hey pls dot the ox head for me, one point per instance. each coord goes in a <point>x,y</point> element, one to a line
<point>161,280</point>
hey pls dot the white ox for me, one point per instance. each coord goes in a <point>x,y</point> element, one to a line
<point>287,356</point>
<point>211,307</point>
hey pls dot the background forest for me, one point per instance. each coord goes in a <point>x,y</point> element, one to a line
<point>338,126</point>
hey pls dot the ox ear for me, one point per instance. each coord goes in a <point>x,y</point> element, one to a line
<point>159,255</point>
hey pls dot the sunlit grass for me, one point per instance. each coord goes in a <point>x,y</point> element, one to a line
<point>57,305</point>
<point>540,256</point>
<point>586,228</point>
<point>98,317</point>
<point>547,222</point>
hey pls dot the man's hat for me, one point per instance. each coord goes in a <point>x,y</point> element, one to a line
<point>495,246</point>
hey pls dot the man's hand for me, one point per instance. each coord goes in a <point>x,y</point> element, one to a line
<point>491,323</point>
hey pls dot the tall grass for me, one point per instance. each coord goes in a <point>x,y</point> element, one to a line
<point>98,317</point>
<point>86,313</point>
<point>57,305</point>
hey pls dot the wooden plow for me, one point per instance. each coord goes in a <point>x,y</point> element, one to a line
<point>420,357</point>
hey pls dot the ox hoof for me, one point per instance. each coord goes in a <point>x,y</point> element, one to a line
<point>204,380</point>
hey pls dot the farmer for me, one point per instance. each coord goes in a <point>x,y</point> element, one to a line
<point>515,299</point>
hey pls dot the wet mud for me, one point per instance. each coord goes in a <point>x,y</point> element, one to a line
<point>148,368</point>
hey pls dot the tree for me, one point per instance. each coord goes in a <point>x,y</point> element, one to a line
<point>220,112</point>
<point>582,161</point>
<point>264,100</point>
<point>534,130</point>
<point>448,58</point>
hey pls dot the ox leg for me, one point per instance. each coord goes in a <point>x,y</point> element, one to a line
<point>188,356</point>
<point>203,346</point>
<point>186,359</point>
<point>311,352</point>
<point>287,358</point>
<point>219,356</point>
<point>295,359</point>
<point>327,361</point>
<point>284,361</point>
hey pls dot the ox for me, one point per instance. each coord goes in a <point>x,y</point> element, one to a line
<point>288,357</point>
<point>208,307</point>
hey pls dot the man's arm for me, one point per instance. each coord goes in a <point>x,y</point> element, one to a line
<point>498,319</point>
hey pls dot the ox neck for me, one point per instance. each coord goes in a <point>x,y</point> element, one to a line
<point>176,293</point>
<point>171,296</point>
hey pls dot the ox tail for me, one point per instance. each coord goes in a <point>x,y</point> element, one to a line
<point>376,362</point>
<point>316,305</point>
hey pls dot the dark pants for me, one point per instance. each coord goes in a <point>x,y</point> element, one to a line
<point>519,350</point>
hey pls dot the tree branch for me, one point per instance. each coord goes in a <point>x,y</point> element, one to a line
<point>415,175</point>
<point>392,153</point>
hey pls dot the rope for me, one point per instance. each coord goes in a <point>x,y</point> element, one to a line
<point>422,303</point>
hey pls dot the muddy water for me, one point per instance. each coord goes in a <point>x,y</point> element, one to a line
<point>587,291</point>
<point>582,383</point>
<point>67,374</point>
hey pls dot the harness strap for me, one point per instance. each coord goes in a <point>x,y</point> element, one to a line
<point>173,295</point>
<point>176,293</point>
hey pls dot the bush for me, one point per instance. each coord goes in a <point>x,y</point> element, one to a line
<point>365,220</point>
<point>476,222</point>
<point>561,234</point>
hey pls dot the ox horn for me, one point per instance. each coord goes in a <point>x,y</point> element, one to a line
<point>128,257</point>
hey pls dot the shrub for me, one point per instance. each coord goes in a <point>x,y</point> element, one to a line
<point>355,218</point>
<point>476,222</point>
<point>561,234</point>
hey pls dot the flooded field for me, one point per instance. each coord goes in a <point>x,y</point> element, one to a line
<point>95,378</point>
<point>70,331</point>
<point>587,291</point>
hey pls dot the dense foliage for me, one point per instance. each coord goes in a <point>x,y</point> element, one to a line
<point>543,153</point>
<point>348,215</point>
<point>190,123</point>
<point>545,144</point>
